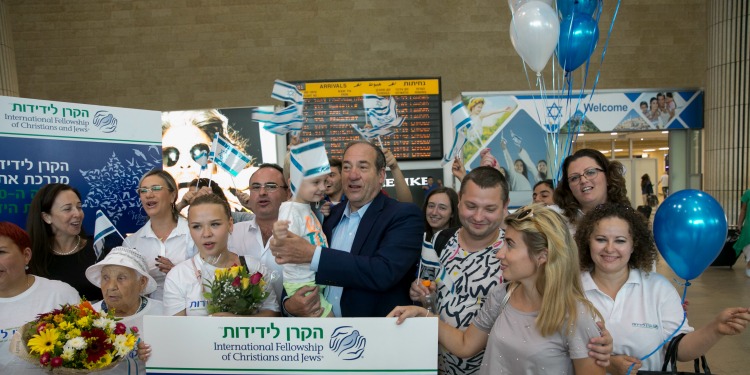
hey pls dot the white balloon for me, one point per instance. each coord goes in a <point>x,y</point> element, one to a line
<point>534,31</point>
<point>515,4</point>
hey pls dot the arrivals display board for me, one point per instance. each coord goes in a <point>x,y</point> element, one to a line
<point>332,108</point>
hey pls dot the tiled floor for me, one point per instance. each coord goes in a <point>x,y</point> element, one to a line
<point>716,289</point>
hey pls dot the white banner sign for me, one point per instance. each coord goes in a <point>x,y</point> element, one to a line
<point>213,345</point>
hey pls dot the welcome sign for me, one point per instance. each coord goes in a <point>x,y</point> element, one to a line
<point>220,345</point>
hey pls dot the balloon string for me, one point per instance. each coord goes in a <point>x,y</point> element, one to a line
<point>684,318</point>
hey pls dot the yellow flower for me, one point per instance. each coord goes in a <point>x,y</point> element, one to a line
<point>73,333</point>
<point>65,326</point>
<point>131,341</point>
<point>83,322</point>
<point>105,360</point>
<point>58,318</point>
<point>220,272</point>
<point>234,271</point>
<point>245,283</point>
<point>44,342</point>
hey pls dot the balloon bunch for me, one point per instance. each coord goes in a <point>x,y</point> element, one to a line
<point>568,29</point>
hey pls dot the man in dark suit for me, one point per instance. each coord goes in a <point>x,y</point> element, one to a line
<point>374,244</point>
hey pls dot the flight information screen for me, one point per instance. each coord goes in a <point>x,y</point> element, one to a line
<point>333,108</point>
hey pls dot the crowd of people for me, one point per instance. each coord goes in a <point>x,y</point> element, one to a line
<point>553,287</point>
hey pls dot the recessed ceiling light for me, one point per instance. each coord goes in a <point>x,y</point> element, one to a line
<point>581,134</point>
<point>641,138</point>
<point>604,152</point>
<point>613,133</point>
<point>665,132</point>
<point>649,149</point>
<point>663,148</point>
<point>618,150</point>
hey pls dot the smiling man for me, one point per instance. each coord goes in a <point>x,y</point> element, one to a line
<point>267,191</point>
<point>375,242</point>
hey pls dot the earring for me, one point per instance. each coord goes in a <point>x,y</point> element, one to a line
<point>26,267</point>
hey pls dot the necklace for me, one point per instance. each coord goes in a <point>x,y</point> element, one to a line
<point>71,250</point>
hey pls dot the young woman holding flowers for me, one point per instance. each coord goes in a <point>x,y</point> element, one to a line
<point>210,223</point>
<point>23,296</point>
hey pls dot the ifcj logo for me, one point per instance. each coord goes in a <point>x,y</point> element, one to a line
<point>347,343</point>
<point>105,121</point>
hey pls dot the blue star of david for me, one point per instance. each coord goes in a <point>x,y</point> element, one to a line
<point>554,111</point>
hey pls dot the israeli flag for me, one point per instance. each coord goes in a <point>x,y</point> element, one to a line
<point>102,228</point>
<point>371,134</point>
<point>429,262</point>
<point>461,123</point>
<point>307,160</point>
<point>227,156</point>
<point>286,92</point>
<point>280,122</point>
<point>381,112</point>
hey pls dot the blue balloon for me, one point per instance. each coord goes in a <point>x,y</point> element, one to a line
<point>579,34</point>
<point>568,7</point>
<point>690,229</point>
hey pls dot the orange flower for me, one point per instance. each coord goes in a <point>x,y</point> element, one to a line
<point>86,308</point>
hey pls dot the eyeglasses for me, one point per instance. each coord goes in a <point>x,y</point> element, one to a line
<point>590,174</point>
<point>144,190</point>
<point>270,187</point>
<point>170,155</point>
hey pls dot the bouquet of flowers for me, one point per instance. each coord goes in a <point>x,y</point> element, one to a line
<point>235,290</point>
<point>77,337</point>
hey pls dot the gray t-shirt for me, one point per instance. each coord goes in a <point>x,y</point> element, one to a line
<point>515,346</point>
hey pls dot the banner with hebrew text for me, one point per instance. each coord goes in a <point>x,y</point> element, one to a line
<point>101,151</point>
<point>231,345</point>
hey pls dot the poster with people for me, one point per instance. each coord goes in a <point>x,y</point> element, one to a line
<point>101,151</point>
<point>514,127</point>
<point>186,135</point>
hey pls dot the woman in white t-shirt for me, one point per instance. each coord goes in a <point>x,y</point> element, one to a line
<point>541,322</point>
<point>642,308</point>
<point>165,240</point>
<point>23,296</point>
<point>210,225</point>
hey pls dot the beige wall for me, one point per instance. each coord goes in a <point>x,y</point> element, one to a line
<point>194,54</point>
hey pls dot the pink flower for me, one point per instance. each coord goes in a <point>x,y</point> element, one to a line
<point>120,329</point>
<point>255,278</point>
<point>44,359</point>
<point>236,282</point>
<point>134,329</point>
<point>40,328</point>
<point>56,362</point>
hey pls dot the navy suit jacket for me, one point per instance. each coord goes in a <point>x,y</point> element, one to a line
<point>378,272</point>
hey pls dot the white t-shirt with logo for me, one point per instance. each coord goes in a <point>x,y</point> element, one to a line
<point>183,287</point>
<point>645,311</point>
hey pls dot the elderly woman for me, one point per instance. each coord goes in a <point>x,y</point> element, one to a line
<point>124,281</point>
<point>61,250</point>
<point>165,239</point>
<point>23,296</point>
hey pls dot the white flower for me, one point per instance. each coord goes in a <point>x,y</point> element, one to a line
<point>68,353</point>
<point>104,323</point>
<point>76,343</point>
<point>119,344</point>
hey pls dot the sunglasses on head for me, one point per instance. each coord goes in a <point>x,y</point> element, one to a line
<point>170,155</point>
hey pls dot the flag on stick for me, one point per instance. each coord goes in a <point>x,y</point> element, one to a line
<point>307,160</point>
<point>225,155</point>
<point>461,124</point>
<point>102,228</point>
<point>381,112</point>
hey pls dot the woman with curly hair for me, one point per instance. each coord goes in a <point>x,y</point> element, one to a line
<point>589,179</point>
<point>641,308</point>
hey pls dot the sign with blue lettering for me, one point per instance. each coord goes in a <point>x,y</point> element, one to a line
<point>101,151</point>
<point>220,345</point>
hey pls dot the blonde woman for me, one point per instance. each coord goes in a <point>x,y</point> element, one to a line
<point>539,323</point>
